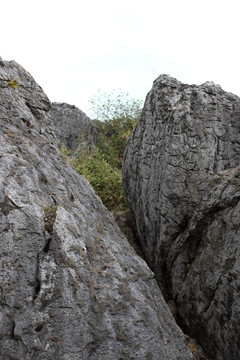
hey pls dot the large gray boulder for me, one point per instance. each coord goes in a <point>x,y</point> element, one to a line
<point>186,142</point>
<point>71,286</point>
<point>73,127</point>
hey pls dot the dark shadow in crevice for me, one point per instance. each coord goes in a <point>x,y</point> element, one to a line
<point>37,288</point>
<point>47,245</point>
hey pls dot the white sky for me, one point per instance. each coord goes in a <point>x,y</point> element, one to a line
<point>73,48</point>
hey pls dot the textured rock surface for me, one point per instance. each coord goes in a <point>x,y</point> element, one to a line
<point>205,269</point>
<point>73,127</point>
<point>188,138</point>
<point>71,287</point>
<point>125,221</point>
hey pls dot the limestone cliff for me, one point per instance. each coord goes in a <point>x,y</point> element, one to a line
<point>181,176</point>
<point>71,286</point>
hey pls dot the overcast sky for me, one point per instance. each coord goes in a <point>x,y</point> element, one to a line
<point>73,48</point>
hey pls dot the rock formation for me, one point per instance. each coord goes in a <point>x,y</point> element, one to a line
<point>72,126</point>
<point>71,286</point>
<point>181,176</point>
<point>125,221</point>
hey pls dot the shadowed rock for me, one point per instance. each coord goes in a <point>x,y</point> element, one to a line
<point>186,141</point>
<point>72,126</point>
<point>205,268</point>
<point>71,287</point>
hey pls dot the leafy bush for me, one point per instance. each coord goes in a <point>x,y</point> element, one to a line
<point>116,105</point>
<point>117,115</point>
<point>105,179</point>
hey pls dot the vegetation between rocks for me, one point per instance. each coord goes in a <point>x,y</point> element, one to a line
<point>116,115</point>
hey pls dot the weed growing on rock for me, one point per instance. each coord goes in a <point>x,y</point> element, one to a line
<point>13,83</point>
<point>50,217</point>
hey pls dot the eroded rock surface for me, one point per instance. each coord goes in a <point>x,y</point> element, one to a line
<point>205,269</point>
<point>125,221</point>
<point>71,287</point>
<point>188,139</point>
<point>73,127</point>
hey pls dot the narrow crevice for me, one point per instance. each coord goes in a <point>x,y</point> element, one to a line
<point>13,336</point>
<point>38,328</point>
<point>37,286</point>
<point>35,111</point>
<point>27,122</point>
<point>47,245</point>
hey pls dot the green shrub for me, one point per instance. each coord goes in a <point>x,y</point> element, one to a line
<point>115,105</point>
<point>117,114</point>
<point>105,179</point>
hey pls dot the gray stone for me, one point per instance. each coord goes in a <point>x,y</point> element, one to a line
<point>71,286</point>
<point>205,269</point>
<point>125,221</point>
<point>187,138</point>
<point>73,127</point>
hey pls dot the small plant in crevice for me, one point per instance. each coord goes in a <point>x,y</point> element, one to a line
<point>13,83</point>
<point>50,217</point>
<point>64,150</point>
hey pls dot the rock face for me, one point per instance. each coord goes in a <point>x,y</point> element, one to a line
<point>72,126</point>
<point>125,221</point>
<point>181,176</point>
<point>71,286</point>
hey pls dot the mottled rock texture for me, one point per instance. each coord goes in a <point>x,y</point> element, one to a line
<point>182,181</point>
<point>72,126</point>
<point>71,286</point>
